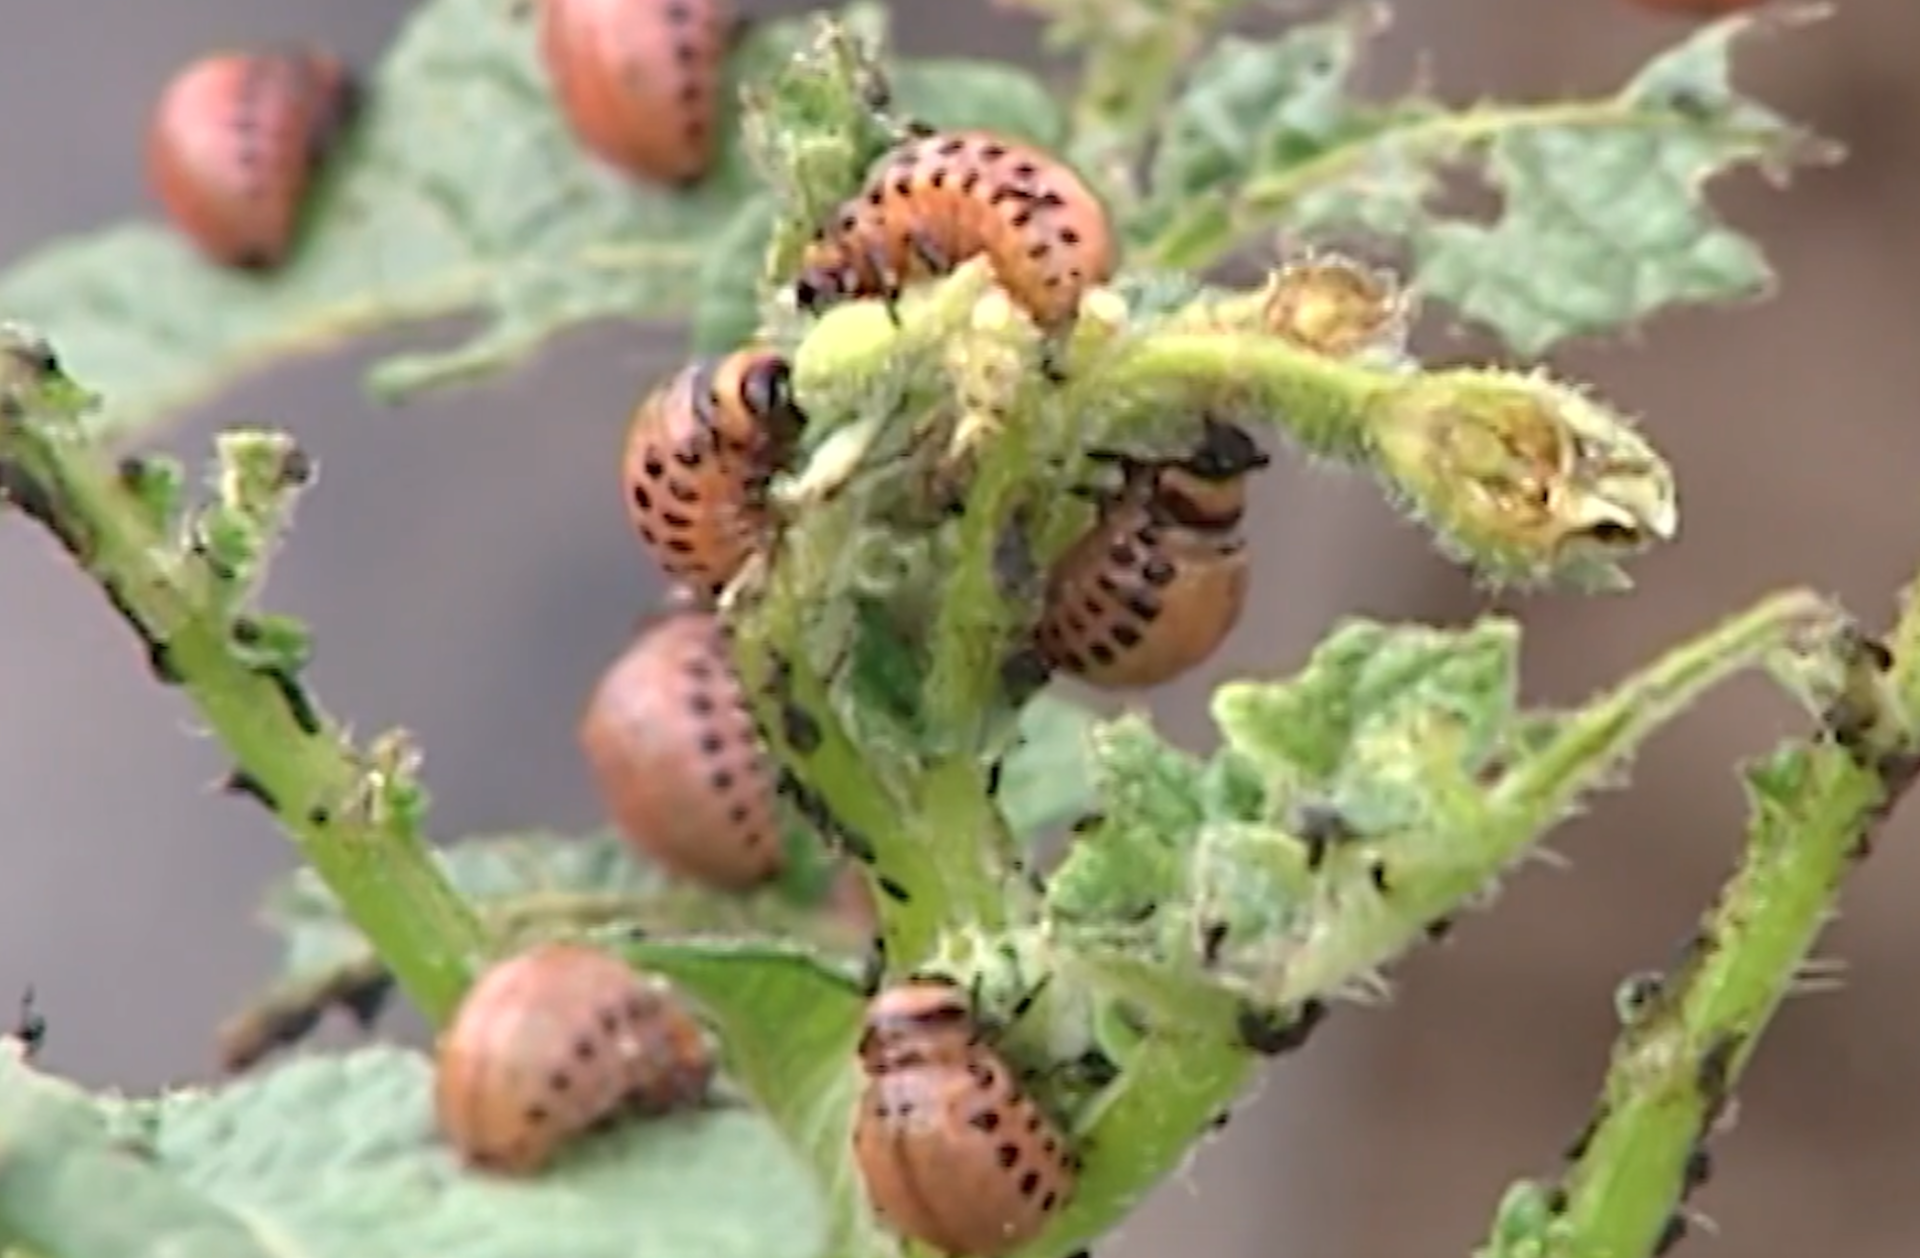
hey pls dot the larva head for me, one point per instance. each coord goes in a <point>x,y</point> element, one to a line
<point>748,397</point>
<point>1207,488</point>
<point>551,1043</point>
<point>921,1021</point>
<point>638,82</point>
<point>826,275</point>
<point>233,144</point>
<point>689,496</point>
<point>671,745</point>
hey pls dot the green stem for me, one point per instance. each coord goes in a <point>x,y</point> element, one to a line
<point>1816,808</point>
<point>319,788</point>
<point>1325,407</point>
<point>1431,875</point>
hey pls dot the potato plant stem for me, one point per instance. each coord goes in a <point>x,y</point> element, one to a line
<point>1815,809</point>
<point>320,789</point>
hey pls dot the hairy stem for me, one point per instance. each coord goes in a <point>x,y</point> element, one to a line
<point>1430,876</point>
<point>330,798</point>
<point>1689,1035</point>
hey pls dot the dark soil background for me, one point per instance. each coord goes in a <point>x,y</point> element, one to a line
<point>468,573</point>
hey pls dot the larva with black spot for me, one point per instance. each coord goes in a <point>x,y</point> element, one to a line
<point>953,1153</point>
<point>942,198</point>
<point>670,742</point>
<point>1160,580</point>
<point>557,1041</point>
<point>639,82</point>
<point>234,144</point>
<point>700,451</point>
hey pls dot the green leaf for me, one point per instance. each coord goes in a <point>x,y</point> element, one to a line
<point>1047,779</point>
<point>526,887</point>
<point>789,1026</point>
<point>70,1189</point>
<point>459,190</point>
<point>957,93</point>
<point>1152,804</point>
<point>1601,220</point>
<point>1360,726</point>
<point>726,312</point>
<point>339,1155</point>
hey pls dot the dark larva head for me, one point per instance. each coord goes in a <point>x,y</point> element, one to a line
<point>552,1043</point>
<point>691,495</point>
<point>673,752</point>
<point>753,406</point>
<point>1207,488</point>
<point>638,82</point>
<point>233,145</point>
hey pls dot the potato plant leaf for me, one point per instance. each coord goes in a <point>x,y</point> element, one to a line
<point>457,192</point>
<point>1601,220</point>
<point>339,1155</point>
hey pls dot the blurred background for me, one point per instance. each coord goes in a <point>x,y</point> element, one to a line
<point>126,885</point>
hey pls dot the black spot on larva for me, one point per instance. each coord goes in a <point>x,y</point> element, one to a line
<point>893,890</point>
<point>721,781</point>
<point>1008,1156</point>
<point>559,1081</point>
<point>1029,1183</point>
<point>1144,606</point>
<point>712,744</point>
<point>585,1049</point>
<point>1122,555</point>
<point>641,498</point>
<point>951,147</point>
<point>536,1115</point>
<point>1102,653</point>
<point>1048,1202</point>
<point>653,467</point>
<point>1125,636</point>
<point>1159,571</point>
<point>985,1120</point>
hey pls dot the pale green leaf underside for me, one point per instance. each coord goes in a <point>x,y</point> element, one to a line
<point>340,1156</point>
<point>459,191</point>
<point>1600,220</point>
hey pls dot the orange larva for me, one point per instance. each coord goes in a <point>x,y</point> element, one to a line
<point>953,1153</point>
<point>700,451</point>
<point>234,145</point>
<point>639,81</point>
<point>1161,578</point>
<point>945,197</point>
<point>557,1041</point>
<point>674,754</point>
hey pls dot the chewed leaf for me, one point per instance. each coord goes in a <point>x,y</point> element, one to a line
<point>1601,221</point>
<point>339,1155</point>
<point>1374,703</point>
<point>1152,800</point>
<point>1048,777</point>
<point>458,190</point>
